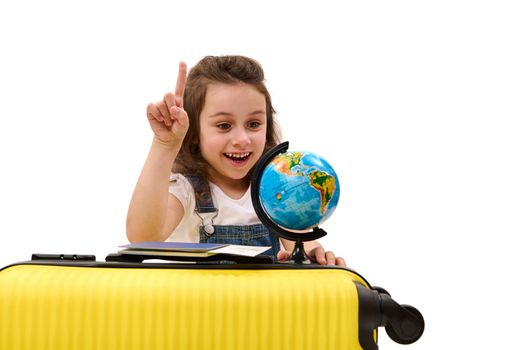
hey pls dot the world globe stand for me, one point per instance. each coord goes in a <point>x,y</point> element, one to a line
<point>298,255</point>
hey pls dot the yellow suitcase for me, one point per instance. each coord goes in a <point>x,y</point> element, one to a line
<point>78,303</point>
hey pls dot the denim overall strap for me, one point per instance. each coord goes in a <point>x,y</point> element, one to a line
<point>256,235</point>
<point>203,197</point>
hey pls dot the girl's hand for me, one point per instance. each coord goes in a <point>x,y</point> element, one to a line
<point>167,118</point>
<point>318,255</point>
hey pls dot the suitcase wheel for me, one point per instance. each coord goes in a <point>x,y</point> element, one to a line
<point>410,329</point>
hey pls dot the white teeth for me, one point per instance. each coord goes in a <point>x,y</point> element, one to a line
<point>237,155</point>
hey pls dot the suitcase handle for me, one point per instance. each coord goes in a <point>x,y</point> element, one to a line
<point>64,257</point>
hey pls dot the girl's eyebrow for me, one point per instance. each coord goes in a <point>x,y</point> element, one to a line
<point>259,111</point>
<point>219,114</point>
<point>227,114</point>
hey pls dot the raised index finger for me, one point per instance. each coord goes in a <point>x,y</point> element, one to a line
<point>181,84</point>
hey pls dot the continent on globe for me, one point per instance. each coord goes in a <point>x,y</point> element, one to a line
<point>324,183</point>
<point>284,163</point>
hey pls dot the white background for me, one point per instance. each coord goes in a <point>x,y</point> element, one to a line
<point>418,105</point>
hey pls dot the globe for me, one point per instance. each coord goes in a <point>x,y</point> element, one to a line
<point>298,190</point>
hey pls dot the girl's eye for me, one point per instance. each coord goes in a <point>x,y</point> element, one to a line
<point>223,126</point>
<point>254,124</point>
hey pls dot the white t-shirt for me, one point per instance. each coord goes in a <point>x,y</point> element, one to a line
<point>230,211</point>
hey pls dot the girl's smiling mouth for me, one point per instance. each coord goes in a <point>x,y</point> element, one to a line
<point>238,157</point>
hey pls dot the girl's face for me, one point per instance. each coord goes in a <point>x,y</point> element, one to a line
<point>232,130</point>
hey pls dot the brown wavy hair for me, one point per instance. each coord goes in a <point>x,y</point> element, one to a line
<point>218,69</point>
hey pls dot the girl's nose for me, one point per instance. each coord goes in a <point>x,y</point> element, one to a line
<point>240,137</point>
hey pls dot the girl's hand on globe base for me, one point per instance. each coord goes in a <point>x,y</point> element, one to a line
<point>167,118</point>
<point>317,255</point>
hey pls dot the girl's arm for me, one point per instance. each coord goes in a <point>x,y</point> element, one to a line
<point>153,212</point>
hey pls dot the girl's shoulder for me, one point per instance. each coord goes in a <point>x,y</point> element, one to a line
<point>180,186</point>
<point>175,177</point>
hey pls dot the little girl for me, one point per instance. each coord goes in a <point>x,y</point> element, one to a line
<point>208,136</point>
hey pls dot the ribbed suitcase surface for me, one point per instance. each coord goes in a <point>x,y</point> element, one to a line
<point>78,307</point>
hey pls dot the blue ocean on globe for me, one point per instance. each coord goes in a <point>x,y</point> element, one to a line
<point>299,190</point>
